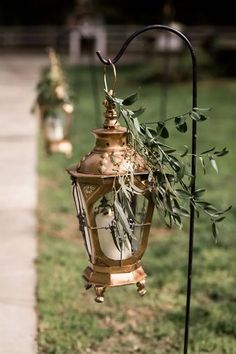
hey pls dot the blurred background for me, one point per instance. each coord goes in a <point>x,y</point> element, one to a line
<point>158,66</point>
<point>77,28</point>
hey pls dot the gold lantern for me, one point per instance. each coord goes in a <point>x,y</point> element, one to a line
<point>115,233</point>
<point>55,108</point>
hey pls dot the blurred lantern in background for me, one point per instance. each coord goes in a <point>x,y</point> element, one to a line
<point>114,208</point>
<point>54,107</point>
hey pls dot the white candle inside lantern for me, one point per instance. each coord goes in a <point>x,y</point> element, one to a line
<point>54,128</point>
<point>106,241</point>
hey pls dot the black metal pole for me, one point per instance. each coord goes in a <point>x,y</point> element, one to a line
<point>165,77</point>
<point>193,159</point>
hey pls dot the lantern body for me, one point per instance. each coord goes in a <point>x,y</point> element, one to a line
<point>114,256</point>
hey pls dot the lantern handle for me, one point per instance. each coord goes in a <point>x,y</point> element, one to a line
<point>193,158</point>
<point>112,91</point>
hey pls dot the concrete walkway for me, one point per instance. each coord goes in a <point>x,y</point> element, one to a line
<point>18,197</point>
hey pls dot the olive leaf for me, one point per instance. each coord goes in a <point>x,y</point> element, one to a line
<point>180,124</point>
<point>215,232</point>
<point>199,192</point>
<point>185,151</point>
<point>138,112</point>
<point>214,164</point>
<point>183,193</point>
<point>207,151</point>
<point>122,218</point>
<point>181,211</point>
<point>203,164</point>
<point>162,130</point>
<point>130,99</point>
<point>198,109</point>
<point>136,124</point>
<point>197,116</point>
<point>223,152</point>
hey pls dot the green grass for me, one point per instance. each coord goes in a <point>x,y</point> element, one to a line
<point>69,320</point>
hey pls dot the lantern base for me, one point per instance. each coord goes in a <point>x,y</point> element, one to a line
<point>63,146</point>
<point>113,276</point>
<point>101,278</point>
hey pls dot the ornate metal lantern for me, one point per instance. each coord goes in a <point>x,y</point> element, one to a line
<point>115,234</point>
<point>55,108</point>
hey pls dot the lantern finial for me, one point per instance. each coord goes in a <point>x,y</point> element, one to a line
<point>111,118</point>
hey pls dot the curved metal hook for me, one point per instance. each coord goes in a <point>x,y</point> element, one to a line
<point>135,34</point>
<point>159,27</point>
<point>193,160</point>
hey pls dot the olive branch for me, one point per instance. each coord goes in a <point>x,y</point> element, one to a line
<point>170,177</point>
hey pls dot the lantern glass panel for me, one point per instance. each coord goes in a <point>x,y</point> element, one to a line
<point>54,127</point>
<point>114,240</point>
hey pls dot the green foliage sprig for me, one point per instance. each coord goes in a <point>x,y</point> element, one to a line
<point>53,92</point>
<point>170,178</point>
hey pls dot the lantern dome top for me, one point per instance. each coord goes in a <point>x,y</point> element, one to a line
<point>111,155</point>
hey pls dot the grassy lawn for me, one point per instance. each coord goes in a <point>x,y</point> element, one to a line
<point>69,320</point>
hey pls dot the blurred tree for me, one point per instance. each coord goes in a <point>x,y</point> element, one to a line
<point>187,12</point>
<point>130,12</point>
<point>57,12</point>
<point>35,12</point>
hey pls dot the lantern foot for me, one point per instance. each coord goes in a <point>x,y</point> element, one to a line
<point>141,288</point>
<point>99,290</point>
<point>87,286</point>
